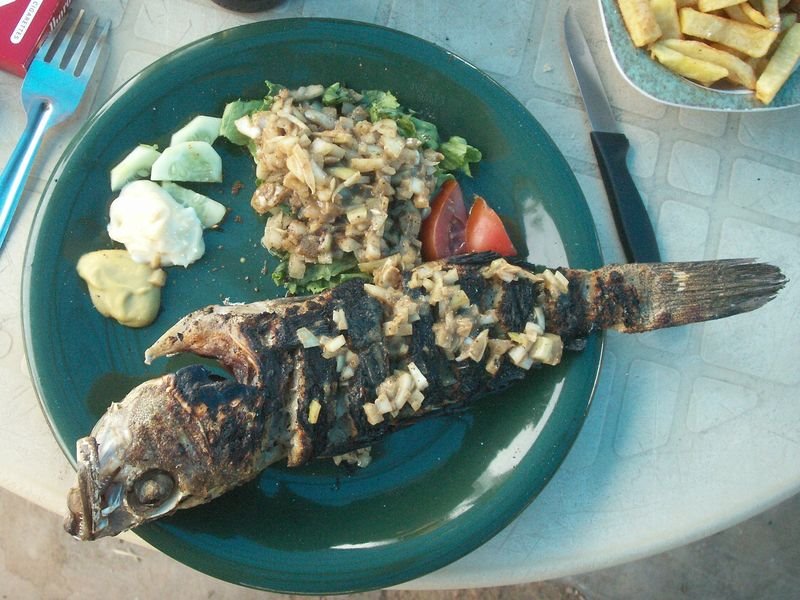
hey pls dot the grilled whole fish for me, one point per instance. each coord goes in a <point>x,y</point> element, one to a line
<point>328,374</point>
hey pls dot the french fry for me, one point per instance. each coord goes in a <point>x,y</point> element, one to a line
<point>701,71</point>
<point>738,70</point>
<point>756,47</point>
<point>753,41</point>
<point>737,14</point>
<point>666,13</point>
<point>755,16</point>
<point>772,14</point>
<point>780,66</point>
<point>736,53</point>
<point>640,21</point>
<point>710,5</point>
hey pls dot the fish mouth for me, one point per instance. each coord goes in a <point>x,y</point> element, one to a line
<point>84,501</point>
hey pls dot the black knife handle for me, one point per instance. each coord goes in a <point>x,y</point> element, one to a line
<point>633,222</point>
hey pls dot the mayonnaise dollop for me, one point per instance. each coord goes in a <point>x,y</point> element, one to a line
<point>154,228</point>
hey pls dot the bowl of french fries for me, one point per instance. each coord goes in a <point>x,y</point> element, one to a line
<point>709,54</point>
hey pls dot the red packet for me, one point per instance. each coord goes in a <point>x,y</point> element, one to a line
<point>23,26</point>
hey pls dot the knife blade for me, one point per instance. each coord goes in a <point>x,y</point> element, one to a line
<point>611,149</point>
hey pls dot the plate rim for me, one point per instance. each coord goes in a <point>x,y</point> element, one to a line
<point>265,29</point>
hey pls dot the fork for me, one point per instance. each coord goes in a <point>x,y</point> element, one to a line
<point>51,91</point>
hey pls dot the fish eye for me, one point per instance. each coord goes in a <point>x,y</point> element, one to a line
<point>151,489</point>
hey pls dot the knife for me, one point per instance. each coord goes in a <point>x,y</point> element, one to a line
<point>611,149</point>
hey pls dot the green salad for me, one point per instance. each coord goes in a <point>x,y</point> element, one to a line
<point>344,177</point>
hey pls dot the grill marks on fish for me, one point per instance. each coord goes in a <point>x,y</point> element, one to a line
<point>603,299</point>
<point>232,416</point>
<point>267,355</point>
<point>258,343</point>
<point>636,298</point>
<point>316,379</point>
<point>185,438</point>
<point>516,304</point>
<point>340,425</point>
<point>225,421</point>
<point>287,371</point>
<point>424,354</point>
<point>349,429</point>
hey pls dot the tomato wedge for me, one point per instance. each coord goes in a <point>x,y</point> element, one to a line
<point>442,233</point>
<point>485,231</point>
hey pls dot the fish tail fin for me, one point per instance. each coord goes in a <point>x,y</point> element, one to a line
<point>638,297</point>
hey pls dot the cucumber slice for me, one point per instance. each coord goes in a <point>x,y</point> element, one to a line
<point>199,129</point>
<point>210,212</point>
<point>188,161</point>
<point>136,165</point>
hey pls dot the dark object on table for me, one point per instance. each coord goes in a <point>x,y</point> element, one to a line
<point>247,5</point>
<point>611,148</point>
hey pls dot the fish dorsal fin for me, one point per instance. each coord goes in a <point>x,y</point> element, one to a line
<point>213,332</point>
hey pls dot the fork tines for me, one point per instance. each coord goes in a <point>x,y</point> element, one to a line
<point>74,46</point>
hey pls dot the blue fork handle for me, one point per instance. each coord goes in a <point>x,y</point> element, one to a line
<point>12,181</point>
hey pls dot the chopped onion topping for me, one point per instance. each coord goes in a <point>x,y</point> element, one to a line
<point>339,319</point>
<point>313,411</point>
<point>415,400</point>
<point>548,349</point>
<point>562,281</point>
<point>307,339</point>
<point>331,345</point>
<point>419,379</point>
<point>374,416</point>
<point>383,404</point>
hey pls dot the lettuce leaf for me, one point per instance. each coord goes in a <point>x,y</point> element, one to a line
<point>458,155</point>
<point>238,108</point>
<point>273,89</point>
<point>381,105</point>
<point>425,131</point>
<point>336,94</point>
<point>318,277</point>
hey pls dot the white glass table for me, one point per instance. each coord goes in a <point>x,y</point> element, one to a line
<point>691,431</point>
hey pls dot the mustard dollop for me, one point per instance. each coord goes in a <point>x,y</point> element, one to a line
<point>121,288</point>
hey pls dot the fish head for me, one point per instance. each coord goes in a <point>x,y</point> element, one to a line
<point>146,457</point>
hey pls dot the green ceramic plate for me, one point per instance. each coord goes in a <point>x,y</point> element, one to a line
<point>434,491</point>
<point>659,83</point>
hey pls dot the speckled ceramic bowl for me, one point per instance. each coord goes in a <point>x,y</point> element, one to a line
<point>661,84</point>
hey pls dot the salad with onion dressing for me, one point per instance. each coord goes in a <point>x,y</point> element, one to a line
<point>345,179</point>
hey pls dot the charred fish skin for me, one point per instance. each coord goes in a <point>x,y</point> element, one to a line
<point>322,375</point>
<point>342,424</point>
<point>173,442</point>
<point>635,298</point>
<point>454,302</point>
<point>263,350</point>
<point>236,423</point>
